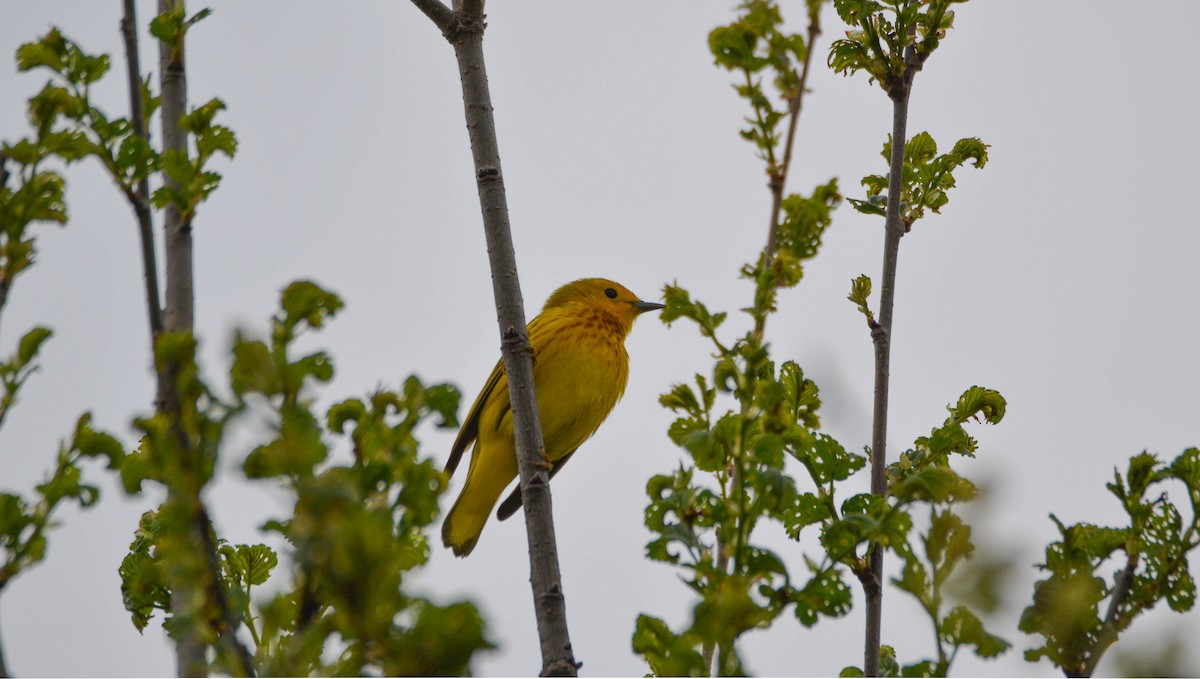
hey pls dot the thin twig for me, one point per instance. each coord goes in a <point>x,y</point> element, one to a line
<point>777,183</point>
<point>5,280</point>
<point>438,13</point>
<point>1111,628</point>
<point>140,198</point>
<point>465,32</point>
<point>894,229</point>
<point>795,104</point>
<point>3,668</point>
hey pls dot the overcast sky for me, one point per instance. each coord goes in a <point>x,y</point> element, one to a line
<point>1062,274</point>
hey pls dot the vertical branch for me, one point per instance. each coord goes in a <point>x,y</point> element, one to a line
<point>140,198</point>
<point>894,229</point>
<point>5,277</point>
<point>1112,619</point>
<point>177,228</point>
<point>464,27</point>
<point>200,585</point>
<point>3,668</point>
<point>795,104</point>
<point>776,184</point>
<point>190,656</point>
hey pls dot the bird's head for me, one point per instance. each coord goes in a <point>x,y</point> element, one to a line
<point>601,294</point>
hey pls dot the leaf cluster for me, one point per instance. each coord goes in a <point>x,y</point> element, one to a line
<point>925,180</point>
<point>30,193</point>
<point>757,48</point>
<point>356,529</point>
<point>882,32</point>
<point>87,131</point>
<point>1152,557</point>
<point>744,453</point>
<point>24,523</point>
<point>923,476</point>
<point>703,515</point>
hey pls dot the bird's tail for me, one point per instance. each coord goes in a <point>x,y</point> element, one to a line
<point>465,520</point>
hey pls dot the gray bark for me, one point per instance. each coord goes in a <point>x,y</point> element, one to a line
<point>179,317</point>
<point>177,228</point>
<point>894,229</point>
<point>189,648</point>
<point>464,27</point>
<point>140,198</point>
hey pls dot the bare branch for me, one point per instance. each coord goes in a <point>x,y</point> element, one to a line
<point>140,199</point>
<point>3,668</point>
<point>894,229</point>
<point>438,13</point>
<point>177,227</point>
<point>179,317</point>
<point>465,33</point>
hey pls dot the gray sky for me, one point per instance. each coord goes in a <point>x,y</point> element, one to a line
<point>1062,274</point>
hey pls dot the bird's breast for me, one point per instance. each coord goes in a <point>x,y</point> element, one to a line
<point>580,373</point>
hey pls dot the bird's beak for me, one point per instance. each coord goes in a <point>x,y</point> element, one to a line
<point>643,307</point>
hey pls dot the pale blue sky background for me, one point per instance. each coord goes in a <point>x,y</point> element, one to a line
<point>1063,274</point>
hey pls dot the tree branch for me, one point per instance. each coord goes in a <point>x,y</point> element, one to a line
<point>176,229</point>
<point>5,280</point>
<point>795,104</point>
<point>438,13</point>
<point>894,229</point>
<point>179,316</point>
<point>189,648</point>
<point>465,33</point>
<point>3,668</point>
<point>1111,628</point>
<point>140,199</point>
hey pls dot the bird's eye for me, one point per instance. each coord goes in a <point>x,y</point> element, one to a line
<point>610,293</point>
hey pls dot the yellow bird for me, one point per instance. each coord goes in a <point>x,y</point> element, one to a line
<point>579,372</point>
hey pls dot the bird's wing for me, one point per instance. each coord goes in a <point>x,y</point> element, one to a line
<point>470,427</point>
<point>513,502</point>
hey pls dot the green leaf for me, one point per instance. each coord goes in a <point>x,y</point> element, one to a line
<point>50,52</point>
<point>962,628</point>
<point>252,563</point>
<point>308,303</point>
<point>806,510</point>
<point>441,642</point>
<point>979,401</point>
<point>296,451</point>
<point>29,346</point>
<point>682,398</point>
<point>253,370</point>
<point>827,460</point>
<point>92,443</point>
<point>826,593</point>
<point>860,292</point>
<point>667,653</point>
<point>728,611</point>
<point>1186,468</point>
<point>934,484</point>
<point>679,304</point>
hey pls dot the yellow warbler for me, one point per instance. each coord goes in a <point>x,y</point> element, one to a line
<point>579,372</point>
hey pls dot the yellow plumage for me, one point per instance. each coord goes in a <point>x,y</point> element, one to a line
<point>579,372</point>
